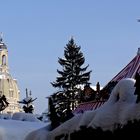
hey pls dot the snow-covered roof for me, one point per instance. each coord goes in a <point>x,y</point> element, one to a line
<point>119,109</point>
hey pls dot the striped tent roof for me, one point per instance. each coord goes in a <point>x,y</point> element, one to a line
<point>92,105</point>
<point>130,70</point>
<point>127,72</point>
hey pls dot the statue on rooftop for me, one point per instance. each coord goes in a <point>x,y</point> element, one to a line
<point>3,102</point>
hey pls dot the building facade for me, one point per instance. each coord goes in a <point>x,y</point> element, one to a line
<point>8,85</point>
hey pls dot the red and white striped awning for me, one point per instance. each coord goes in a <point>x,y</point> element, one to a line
<point>88,106</point>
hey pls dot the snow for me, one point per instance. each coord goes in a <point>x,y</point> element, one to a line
<point>93,87</point>
<point>27,99</point>
<point>120,108</point>
<point>25,117</point>
<point>14,128</point>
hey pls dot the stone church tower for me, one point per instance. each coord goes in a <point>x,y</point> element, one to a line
<point>8,85</point>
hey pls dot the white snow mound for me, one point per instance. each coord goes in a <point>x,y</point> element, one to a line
<point>120,107</point>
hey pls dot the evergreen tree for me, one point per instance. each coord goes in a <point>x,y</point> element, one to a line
<point>52,114</point>
<point>28,103</point>
<point>72,75</point>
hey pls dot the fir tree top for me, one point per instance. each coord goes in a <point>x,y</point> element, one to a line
<point>73,73</point>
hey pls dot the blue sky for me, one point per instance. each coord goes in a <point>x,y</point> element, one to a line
<point>36,32</point>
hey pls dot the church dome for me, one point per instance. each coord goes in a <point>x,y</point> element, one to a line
<point>9,88</point>
<point>8,85</point>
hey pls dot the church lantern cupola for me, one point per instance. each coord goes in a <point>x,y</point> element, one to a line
<point>3,56</point>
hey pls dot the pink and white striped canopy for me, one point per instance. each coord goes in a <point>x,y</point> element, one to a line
<point>88,106</point>
<point>130,70</point>
<point>127,72</point>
